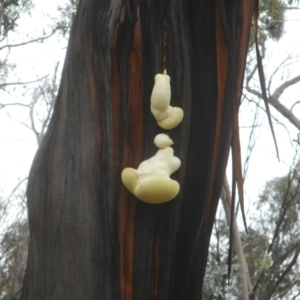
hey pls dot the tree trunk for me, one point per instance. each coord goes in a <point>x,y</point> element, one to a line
<point>89,237</point>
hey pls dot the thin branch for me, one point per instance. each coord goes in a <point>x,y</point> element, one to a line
<point>283,210</point>
<point>283,257</point>
<point>250,76</point>
<point>31,41</point>
<point>296,296</point>
<point>282,65</point>
<point>13,104</point>
<point>22,82</point>
<point>279,91</point>
<point>285,202</point>
<point>274,98</point>
<point>286,113</point>
<point>31,117</point>
<point>17,186</point>
<point>276,104</point>
<point>296,103</point>
<point>287,270</point>
<point>291,7</point>
<point>273,117</point>
<point>251,144</point>
<point>254,92</point>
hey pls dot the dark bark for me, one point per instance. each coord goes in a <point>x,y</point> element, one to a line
<point>89,237</point>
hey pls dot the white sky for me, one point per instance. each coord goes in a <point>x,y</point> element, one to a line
<point>18,144</point>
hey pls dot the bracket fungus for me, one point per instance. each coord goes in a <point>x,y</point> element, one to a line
<point>166,116</point>
<point>151,181</point>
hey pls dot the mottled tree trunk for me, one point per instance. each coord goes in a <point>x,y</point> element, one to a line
<point>89,237</point>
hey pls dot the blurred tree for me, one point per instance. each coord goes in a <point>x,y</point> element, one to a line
<point>14,234</point>
<point>67,15</point>
<point>271,246</point>
<point>11,12</point>
<point>13,225</point>
<point>277,274</point>
<point>271,19</point>
<point>13,256</point>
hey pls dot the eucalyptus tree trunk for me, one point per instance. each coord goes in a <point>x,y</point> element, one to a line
<point>89,237</point>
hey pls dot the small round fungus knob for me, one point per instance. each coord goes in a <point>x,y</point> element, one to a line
<point>162,141</point>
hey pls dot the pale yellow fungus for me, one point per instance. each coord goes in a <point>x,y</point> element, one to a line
<point>162,141</point>
<point>151,181</point>
<point>166,116</point>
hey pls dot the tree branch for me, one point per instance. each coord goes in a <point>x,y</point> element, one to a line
<point>287,270</point>
<point>17,186</point>
<point>296,103</point>
<point>286,113</point>
<point>285,63</point>
<point>13,104</point>
<point>279,91</point>
<point>282,213</point>
<point>31,41</point>
<point>283,257</point>
<point>254,92</point>
<point>274,100</point>
<point>22,82</point>
<point>291,7</point>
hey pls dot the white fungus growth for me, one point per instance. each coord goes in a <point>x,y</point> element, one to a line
<point>151,181</point>
<point>162,141</point>
<point>167,116</point>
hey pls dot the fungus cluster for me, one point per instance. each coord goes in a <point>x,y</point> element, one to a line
<point>151,181</point>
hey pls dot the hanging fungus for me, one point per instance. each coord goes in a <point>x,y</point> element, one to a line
<point>166,116</point>
<point>151,181</point>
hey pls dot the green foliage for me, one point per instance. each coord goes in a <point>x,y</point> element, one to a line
<point>12,13</point>
<point>271,16</point>
<point>13,257</point>
<point>216,281</point>
<point>67,15</point>
<point>271,20</point>
<point>265,264</point>
<point>271,246</point>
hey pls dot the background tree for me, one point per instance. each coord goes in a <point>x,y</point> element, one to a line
<point>13,248</point>
<point>14,235</point>
<point>11,12</point>
<point>36,105</point>
<point>271,246</point>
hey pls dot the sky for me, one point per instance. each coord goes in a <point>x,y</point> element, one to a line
<point>18,144</point>
<point>33,61</point>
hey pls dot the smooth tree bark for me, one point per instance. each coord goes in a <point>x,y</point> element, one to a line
<point>89,237</point>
